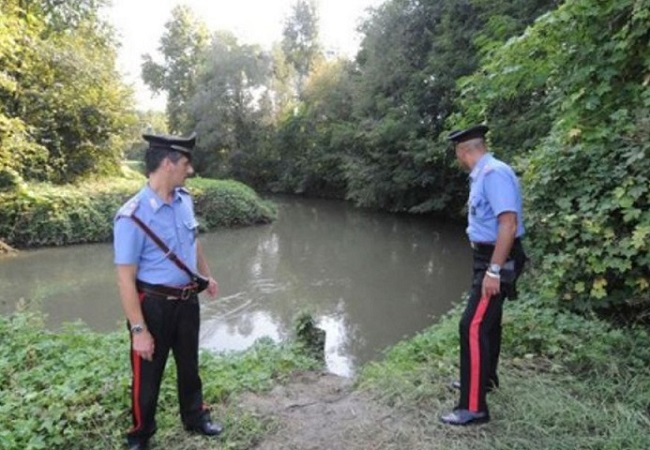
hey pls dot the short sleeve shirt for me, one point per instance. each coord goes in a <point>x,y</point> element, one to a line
<point>494,189</point>
<point>172,222</point>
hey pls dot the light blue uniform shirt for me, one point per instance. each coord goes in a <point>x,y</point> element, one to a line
<point>173,222</point>
<point>494,189</point>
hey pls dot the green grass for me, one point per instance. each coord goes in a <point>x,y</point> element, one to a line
<point>70,389</point>
<point>567,383</point>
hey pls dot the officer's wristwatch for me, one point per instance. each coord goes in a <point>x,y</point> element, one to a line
<point>495,269</point>
<point>137,328</point>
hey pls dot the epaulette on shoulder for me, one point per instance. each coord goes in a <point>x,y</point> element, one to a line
<point>488,168</point>
<point>129,208</point>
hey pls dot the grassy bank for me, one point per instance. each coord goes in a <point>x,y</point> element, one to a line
<point>45,215</point>
<point>70,389</point>
<point>566,383</point>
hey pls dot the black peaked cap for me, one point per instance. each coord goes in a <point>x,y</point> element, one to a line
<point>477,131</point>
<point>180,144</point>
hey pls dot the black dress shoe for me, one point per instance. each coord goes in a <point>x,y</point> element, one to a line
<point>464,417</point>
<point>207,428</point>
<point>137,445</point>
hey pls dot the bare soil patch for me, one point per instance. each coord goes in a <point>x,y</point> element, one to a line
<point>318,411</point>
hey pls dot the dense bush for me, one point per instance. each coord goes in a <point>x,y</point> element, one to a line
<point>590,216</point>
<point>574,88</point>
<point>41,215</point>
<point>228,203</point>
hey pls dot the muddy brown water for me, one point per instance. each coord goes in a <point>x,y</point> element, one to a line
<point>369,278</point>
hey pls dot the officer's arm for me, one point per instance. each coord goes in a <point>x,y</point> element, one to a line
<point>202,264</point>
<point>505,237</point>
<point>501,193</point>
<point>126,274</point>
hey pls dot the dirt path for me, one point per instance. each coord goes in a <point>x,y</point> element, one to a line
<point>319,411</point>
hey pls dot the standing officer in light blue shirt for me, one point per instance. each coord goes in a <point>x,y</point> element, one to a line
<point>160,300</point>
<point>495,226</point>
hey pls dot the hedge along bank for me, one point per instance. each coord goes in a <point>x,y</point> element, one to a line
<point>46,215</point>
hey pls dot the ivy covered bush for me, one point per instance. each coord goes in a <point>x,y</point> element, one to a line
<point>43,215</point>
<point>578,83</point>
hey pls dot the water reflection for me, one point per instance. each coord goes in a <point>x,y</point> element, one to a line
<point>369,278</point>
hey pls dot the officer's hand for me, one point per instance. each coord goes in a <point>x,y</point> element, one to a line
<point>143,345</point>
<point>491,286</point>
<point>213,288</point>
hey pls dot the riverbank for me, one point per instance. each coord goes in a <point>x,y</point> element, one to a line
<point>37,215</point>
<point>6,249</point>
<point>567,383</point>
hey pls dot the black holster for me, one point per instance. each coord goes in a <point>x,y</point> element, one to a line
<point>510,271</point>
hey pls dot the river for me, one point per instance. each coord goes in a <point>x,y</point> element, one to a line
<point>369,278</point>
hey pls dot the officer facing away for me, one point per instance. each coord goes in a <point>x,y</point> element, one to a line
<point>159,299</point>
<point>495,226</point>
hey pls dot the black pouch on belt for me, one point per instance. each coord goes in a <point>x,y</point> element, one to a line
<point>201,282</point>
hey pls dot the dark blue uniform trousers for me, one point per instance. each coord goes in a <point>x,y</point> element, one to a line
<point>174,325</point>
<point>480,329</point>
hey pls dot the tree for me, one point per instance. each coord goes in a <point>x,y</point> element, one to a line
<point>411,56</point>
<point>300,40</point>
<point>312,140</point>
<point>225,109</point>
<point>64,106</point>
<point>183,47</point>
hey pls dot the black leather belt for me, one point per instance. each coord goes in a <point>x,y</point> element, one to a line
<point>482,246</point>
<point>488,248</point>
<point>168,292</point>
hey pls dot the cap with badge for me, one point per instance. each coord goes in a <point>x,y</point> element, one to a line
<point>169,142</point>
<point>476,131</point>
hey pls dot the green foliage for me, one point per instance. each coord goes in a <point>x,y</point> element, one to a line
<point>183,47</point>
<point>40,215</point>
<point>569,341</point>
<point>70,389</point>
<point>20,157</point>
<point>579,377</point>
<point>228,203</point>
<point>63,107</point>
<point>150,122</point>
<point>577,83</point>
<point>224,111</point>
<point>594,236</point>
<point>309,336</point>
<point>300,39</point>
<point>530,331</point>
<point>412,54</point>
<point>313,142</point>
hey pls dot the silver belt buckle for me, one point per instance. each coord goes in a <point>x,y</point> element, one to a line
<point>186,292</point>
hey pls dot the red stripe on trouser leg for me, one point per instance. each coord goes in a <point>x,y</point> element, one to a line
<point>136,362</point>
<point>475,353</point>
<point>137,410</point>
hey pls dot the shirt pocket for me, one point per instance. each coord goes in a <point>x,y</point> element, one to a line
<point>479,208</point>
<point>191,229</point>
